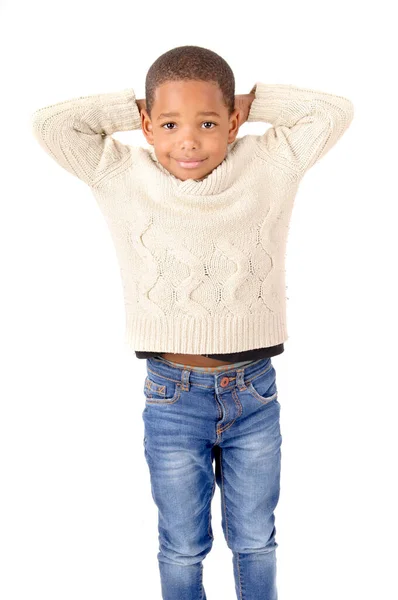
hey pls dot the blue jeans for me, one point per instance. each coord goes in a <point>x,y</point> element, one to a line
<point>192,418</point>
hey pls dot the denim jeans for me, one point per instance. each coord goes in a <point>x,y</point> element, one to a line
<point>229,416</point>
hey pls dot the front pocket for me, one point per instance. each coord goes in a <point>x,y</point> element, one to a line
<point>263,387</point>
<point>158,390</point>
<point>263,399</point>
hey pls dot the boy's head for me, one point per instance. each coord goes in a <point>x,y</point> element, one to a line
<point>190,80</point>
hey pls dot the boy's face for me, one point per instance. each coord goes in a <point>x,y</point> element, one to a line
<point>189,135</point>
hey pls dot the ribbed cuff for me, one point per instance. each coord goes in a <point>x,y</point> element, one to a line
<point>270,101</point>
<point>121,109</point>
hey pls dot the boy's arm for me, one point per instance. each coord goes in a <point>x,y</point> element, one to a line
<point>77,133</point>
<point>306,123</point>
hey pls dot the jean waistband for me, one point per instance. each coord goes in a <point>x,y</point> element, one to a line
<point>170,370</point>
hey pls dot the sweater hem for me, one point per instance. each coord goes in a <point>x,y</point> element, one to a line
<point>201,335</point>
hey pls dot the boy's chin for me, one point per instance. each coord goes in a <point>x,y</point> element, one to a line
<point>190,174</point>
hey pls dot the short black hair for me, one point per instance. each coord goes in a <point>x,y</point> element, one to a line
<point>186,63</point>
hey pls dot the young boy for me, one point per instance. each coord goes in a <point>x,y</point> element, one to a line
<point>199,222</point>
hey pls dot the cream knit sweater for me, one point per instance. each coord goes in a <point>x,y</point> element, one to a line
<point>202,262</point>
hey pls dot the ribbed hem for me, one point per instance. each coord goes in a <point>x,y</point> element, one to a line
<point>199,335</point>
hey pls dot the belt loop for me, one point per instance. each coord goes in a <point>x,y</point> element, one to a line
<point>185,385</point>
<point>240,378</point>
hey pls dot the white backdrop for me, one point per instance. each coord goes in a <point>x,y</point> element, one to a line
<point>77,517</point>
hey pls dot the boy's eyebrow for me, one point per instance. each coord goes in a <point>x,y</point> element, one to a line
<point>208,113</point>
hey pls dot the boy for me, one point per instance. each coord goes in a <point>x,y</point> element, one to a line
<point>200,222</point>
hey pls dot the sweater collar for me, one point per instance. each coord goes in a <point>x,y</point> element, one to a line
<point>215,182</point>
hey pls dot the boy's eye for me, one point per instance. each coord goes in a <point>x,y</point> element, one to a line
<point>211,123</point>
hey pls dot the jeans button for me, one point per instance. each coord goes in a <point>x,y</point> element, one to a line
<point>224,381</point>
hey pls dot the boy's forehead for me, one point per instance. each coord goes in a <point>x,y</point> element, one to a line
<point>177,95</point>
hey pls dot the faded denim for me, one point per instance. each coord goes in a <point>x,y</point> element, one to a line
<point>193,418</point>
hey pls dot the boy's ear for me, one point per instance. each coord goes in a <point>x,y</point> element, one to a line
<point>146,126</point>
<point>239,115</point>
<point>235,121</point>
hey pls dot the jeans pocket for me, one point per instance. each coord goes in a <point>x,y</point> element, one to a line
<point>263,386</point>
<point>159,390</point>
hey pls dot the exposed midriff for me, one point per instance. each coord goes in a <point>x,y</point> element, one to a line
<point>194,360</point>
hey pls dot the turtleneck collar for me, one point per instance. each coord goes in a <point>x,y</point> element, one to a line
<point>218,180</point>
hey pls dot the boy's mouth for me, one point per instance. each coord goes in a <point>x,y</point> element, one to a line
<point>189,164</point>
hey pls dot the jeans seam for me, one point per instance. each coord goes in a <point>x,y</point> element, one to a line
<point>211,496</point>
<point>239,576</point>
<point>223,496</point>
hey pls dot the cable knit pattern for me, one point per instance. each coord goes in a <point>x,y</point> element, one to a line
<point>202,262</point>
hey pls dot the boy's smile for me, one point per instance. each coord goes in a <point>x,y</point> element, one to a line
<point>189,164</point>
<point>190,129</point>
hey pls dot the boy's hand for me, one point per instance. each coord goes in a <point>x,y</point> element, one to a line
<point>243,102</point>
<point>141,104</point>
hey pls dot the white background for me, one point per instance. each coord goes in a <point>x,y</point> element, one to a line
<point>77,517</point>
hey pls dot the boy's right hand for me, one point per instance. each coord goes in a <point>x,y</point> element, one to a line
<point>242,103</point>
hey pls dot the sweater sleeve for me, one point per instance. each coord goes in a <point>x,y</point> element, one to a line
<point>77,133</point>
<point>306,123</point>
